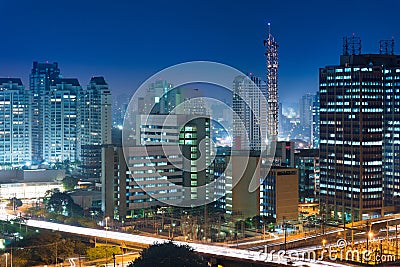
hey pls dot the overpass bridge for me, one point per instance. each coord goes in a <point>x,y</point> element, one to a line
<point>218,254</point>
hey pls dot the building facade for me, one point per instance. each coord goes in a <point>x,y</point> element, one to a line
<point>250,113</point>
<point>315,122</point>
<point>242,169</point>
<point>305,110</point>
<point>284,154</point>
<point>15,123</point>
<point>191,135</point>
<point>95,125</point>
<point>358,135</point>
<point>307,164</point>
<point>61,121</point>
<point>41,78</point>
<point>279,197</point>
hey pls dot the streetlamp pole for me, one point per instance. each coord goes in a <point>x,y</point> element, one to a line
<point>367,231</point>
<point>397,244</point>
<point>367,235</point>
<point>106,218</point>
<point>56,254</point>
<point>122,256</point>
<point>285,232</point>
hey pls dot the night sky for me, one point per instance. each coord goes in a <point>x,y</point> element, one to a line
<point>127,41</point>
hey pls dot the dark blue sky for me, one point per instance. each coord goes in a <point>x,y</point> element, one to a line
<point>128,41</point>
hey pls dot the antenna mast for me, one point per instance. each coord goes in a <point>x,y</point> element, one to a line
<point>271,55</point>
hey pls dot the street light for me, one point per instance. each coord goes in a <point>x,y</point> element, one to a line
<point>370,236</point>
<point>173,229</point>
<point>106,219</point>
<point>285,232</point>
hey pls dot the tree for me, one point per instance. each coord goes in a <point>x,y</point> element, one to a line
<point>62,203</point>
<point>44,248</point>
<point>168,255</point>
<point>69,183</point>
<point>102,252</point>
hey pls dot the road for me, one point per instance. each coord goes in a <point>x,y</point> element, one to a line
<point>211,250</point>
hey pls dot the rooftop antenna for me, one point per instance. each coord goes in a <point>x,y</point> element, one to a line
<point>351,45</point>
<point>386,47</point>
<point>271,55</point>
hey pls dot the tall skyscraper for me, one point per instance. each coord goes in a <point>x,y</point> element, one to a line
<point>391,133</point>
<point>163,98</point>
<point>315,122</point>
<point>305,110</point>
<point>359,114</point>
<point>60,124</point>
<point>249,118</point>
<point>272,83</point>
<point>15,124</point>
<point>41,78</point>
<point>280,118</point>
<point>95,125</point>
<point>159,98</point>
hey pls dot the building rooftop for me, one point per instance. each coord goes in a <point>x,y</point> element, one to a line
<point>71,81</point>
<point>98,80</point>
<point>12,80</point>
<point>307,152</point>
<point>370,60</point>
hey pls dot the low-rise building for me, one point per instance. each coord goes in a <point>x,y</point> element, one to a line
<point>279,194</point>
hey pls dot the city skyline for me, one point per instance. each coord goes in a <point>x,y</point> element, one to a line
<point>128,42</point>
<point>258,128</point>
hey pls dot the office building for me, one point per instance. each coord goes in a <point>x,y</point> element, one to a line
<point>307,165</point>
<point>15,124</point>
<point>149,177</point>
<point>158,98</point>
<point>41,78</point>
<point>359,136</point>
<point>163,98</point>
<point>221,164</point>
<point>95,125</point>
<point>243,168</point>
<point>164,166</point>
<point>250,113</point>
<point>279,196</point>
<point>280,119</point>
<point>114,176</point>
<point>305,110</point>
<point>315,122</point>
<point>191,135</point>
<point>284,154</point>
